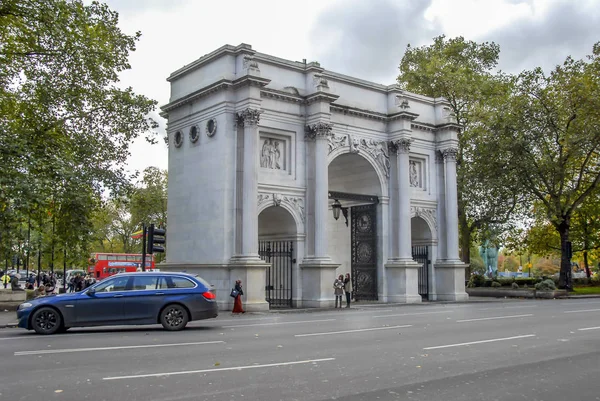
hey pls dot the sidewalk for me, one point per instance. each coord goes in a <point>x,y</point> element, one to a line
<point>8,319</point>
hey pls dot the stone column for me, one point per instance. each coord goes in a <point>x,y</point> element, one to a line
<point>247,266</point>
<point>450,273</point>
<point>321,132</point>
<point>250,118</point>
<point>318,270</point>
<point>404,192</point>
<point>402,272</point>
<point>451,204</point>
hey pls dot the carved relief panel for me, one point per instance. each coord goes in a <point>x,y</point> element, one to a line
<point>275,153</point>
<point>417,173</point>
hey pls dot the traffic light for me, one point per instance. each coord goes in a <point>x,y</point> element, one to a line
<point>156,239</point>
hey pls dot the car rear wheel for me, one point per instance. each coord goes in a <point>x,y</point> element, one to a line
<point>46,321</point>
<point>174,317</point>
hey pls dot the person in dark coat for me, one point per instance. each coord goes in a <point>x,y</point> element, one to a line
<point>237,304</point>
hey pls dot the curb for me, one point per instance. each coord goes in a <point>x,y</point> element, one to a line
<point>8,326</point>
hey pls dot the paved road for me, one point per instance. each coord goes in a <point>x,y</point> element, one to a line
<point>514,350</point>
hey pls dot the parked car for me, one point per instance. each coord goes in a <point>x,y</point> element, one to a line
<point>171,299</point>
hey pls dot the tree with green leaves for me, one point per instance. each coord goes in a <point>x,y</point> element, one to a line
<point>149,201</point>
<point>550,133</point>
<point>65,123</point>
<point>462,72</point>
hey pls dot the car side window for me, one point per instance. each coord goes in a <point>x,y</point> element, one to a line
<point>141,283</point>
<point>112,285</point>
<point>175,282</point>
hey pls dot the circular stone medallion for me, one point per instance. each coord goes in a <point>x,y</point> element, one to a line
<point>194,134</point>
<point>178,139</point>
<point>211,127</point>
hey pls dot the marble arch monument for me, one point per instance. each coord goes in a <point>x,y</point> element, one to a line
<point>259,150</point>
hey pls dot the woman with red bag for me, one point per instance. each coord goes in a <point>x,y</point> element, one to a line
<point>237,294</point>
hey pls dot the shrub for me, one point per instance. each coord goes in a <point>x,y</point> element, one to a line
<point>546,285</point>
<point>581,281</point>
<point>496,284</point>
<point>524,285</point>
<point>515,286</point>
<point>477,280</point>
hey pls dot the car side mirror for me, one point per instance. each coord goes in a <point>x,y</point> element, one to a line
<point>91,292</point>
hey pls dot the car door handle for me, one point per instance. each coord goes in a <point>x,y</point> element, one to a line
<point>118,296</point>
<point>160,293</point>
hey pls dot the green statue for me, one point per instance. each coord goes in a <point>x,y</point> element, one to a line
<point>489,254</point>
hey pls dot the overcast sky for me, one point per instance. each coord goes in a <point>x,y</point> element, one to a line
<point>362,38</point>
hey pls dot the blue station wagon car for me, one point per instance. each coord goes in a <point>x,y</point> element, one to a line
<point>171,299</point>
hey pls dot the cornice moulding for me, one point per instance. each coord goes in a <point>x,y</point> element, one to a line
<point>251,80</point>
<point>281,95</point>
<point>212,88</point>
<point>321,96</point>
<point>223,50</point>
<point>358,112</point>
<point>403,115</point>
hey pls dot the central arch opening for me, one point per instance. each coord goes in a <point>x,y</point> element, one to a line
<point>355,238</point>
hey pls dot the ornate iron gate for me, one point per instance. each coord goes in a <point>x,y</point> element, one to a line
<point>278,286</point>
<point>364,252</point>
<point>421,255</point>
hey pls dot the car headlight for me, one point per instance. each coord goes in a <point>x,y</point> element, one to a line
<point>25,305</point>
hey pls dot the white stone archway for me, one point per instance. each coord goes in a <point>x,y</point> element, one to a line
<point>380,164</point>
<point>423,237</point>
<point>281,245</point>
<point>360,178</point>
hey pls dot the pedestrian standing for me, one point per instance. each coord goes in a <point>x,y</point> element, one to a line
<point>348,289</point>
<point>237,293</point>
<point>5,280</point>
<point>338,289</point>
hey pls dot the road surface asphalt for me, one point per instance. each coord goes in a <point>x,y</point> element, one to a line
<point>511,350</point>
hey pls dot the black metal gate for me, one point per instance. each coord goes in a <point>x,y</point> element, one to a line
<point>278,287</point>
<point>364,252</point>
<point>421,255</point>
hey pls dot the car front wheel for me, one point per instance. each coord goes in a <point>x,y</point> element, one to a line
<point>174,317</point>
<point>46,321</point>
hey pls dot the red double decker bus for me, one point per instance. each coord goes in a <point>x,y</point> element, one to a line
<point>102,265</point>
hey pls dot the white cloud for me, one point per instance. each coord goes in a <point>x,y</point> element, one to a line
<point>361,37</point>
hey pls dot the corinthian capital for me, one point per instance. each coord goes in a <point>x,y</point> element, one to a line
<point>400,146</point>
<point>318,130</point>
<point>249,117</point>
<point>450,154</point>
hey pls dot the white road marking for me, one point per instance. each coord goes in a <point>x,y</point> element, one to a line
<point>511,307</point>
<point>189,372</point>
<point>413,314</point>
<point>589,328</point>
<point>240,319</point>
<point>590,301</point>
<point>351,331</point>
<point>36,336</point>
<point>69,350</point>
<point>480,342</point>
<point>278,323</point>
<point>492,318</point>
<point>581,311</point>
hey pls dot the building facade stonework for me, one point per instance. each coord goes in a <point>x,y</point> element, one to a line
<point>265,153</point>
